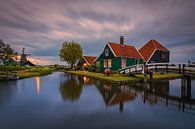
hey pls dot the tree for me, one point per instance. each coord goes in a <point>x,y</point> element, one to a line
<point>5,50</point>
<point>71,89</point>
<point>71,52</point>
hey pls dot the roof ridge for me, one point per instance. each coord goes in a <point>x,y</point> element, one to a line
<point>117,49</point>
<point>159,44</point>
<point>122,44</point>
<point>154,43</point>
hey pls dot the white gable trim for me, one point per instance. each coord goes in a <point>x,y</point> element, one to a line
<point>100,53</point>
<point>111,49</point>
<point>86,61</point>
<point>103,51</point>
<point>139,53</point>
<point>96,58</point>
<point>151,55</point>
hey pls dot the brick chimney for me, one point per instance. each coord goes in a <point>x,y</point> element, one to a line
<point>122,40</point>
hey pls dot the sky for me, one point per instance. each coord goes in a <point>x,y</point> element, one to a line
<point>41,26</point>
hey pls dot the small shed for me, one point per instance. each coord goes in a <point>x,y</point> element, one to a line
<point>154,52</point>
<point>86,61</point>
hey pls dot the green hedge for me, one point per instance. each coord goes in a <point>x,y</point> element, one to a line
<point>13,68</point>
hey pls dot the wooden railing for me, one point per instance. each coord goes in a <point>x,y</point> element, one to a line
<point>159,67</point>
<point>132,69</point>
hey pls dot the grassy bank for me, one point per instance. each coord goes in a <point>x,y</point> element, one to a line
<point>24,71</point>
<point>35,71</point>
<point>122,78</point>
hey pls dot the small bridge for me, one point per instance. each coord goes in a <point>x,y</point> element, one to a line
<point>185,69</point>
<point>132,69</point>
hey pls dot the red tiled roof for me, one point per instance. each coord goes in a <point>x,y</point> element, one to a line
<point>148,49</point>
<point>124,50</point>
<point>89,59</point>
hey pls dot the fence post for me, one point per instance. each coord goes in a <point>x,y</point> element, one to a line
<point>167,68</point>
<point>155,67</point>
<point>151,76</point>
<point>183,69</point>
<point>179,68</point>
<point>146,68</point>
<point>145,74</point>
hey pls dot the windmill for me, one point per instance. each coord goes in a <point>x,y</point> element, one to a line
<point>23,58</point>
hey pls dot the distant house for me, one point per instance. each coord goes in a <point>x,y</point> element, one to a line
<point>154,52</point>
<point>86,61</point>
<point>117,55</point>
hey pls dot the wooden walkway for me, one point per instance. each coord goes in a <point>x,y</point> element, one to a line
<point>185,69</point>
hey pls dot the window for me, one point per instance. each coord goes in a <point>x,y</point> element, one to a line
<point>123,63</point>
<point>106,52</point>
<point>109,63</point>
<point>105,63</point>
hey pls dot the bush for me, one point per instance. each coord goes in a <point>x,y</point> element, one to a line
<point>92,68</point>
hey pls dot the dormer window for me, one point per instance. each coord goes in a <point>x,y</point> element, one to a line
<point>106,52</point>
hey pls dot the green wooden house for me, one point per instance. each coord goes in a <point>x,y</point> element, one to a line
<point>117,55</point>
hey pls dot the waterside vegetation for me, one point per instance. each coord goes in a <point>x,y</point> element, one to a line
<point>120,78</point>
<point>21,72</point>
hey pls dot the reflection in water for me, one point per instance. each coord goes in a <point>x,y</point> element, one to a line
<point>113,95</point>
<point>38,81</point>
<point>98,103</point>
<point>117,94</point>
<point>86,81</point>
<point>6,90</point>
<point>152,93</point>
<point>71,88</point>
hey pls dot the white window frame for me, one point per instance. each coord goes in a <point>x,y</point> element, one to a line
<point>123,62</point>
<point>105,63</point>
<point>109,66</point>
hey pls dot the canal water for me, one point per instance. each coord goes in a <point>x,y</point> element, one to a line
<point>64,101</point>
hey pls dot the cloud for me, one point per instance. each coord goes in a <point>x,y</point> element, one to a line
<point>42,26</point>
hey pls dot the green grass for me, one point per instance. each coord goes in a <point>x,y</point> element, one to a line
<point>122,78</point>
<point>25,71</point>
<point>158,76</point>
<point>115,77</point>
<point>14,68</point>
<point>35,71</point>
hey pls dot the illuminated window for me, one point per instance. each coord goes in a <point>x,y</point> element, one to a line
<point>85,65</point>
<point>123,63</point>
<point>105,63</point>
<point>109,63</point>
<point>106,52</point>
